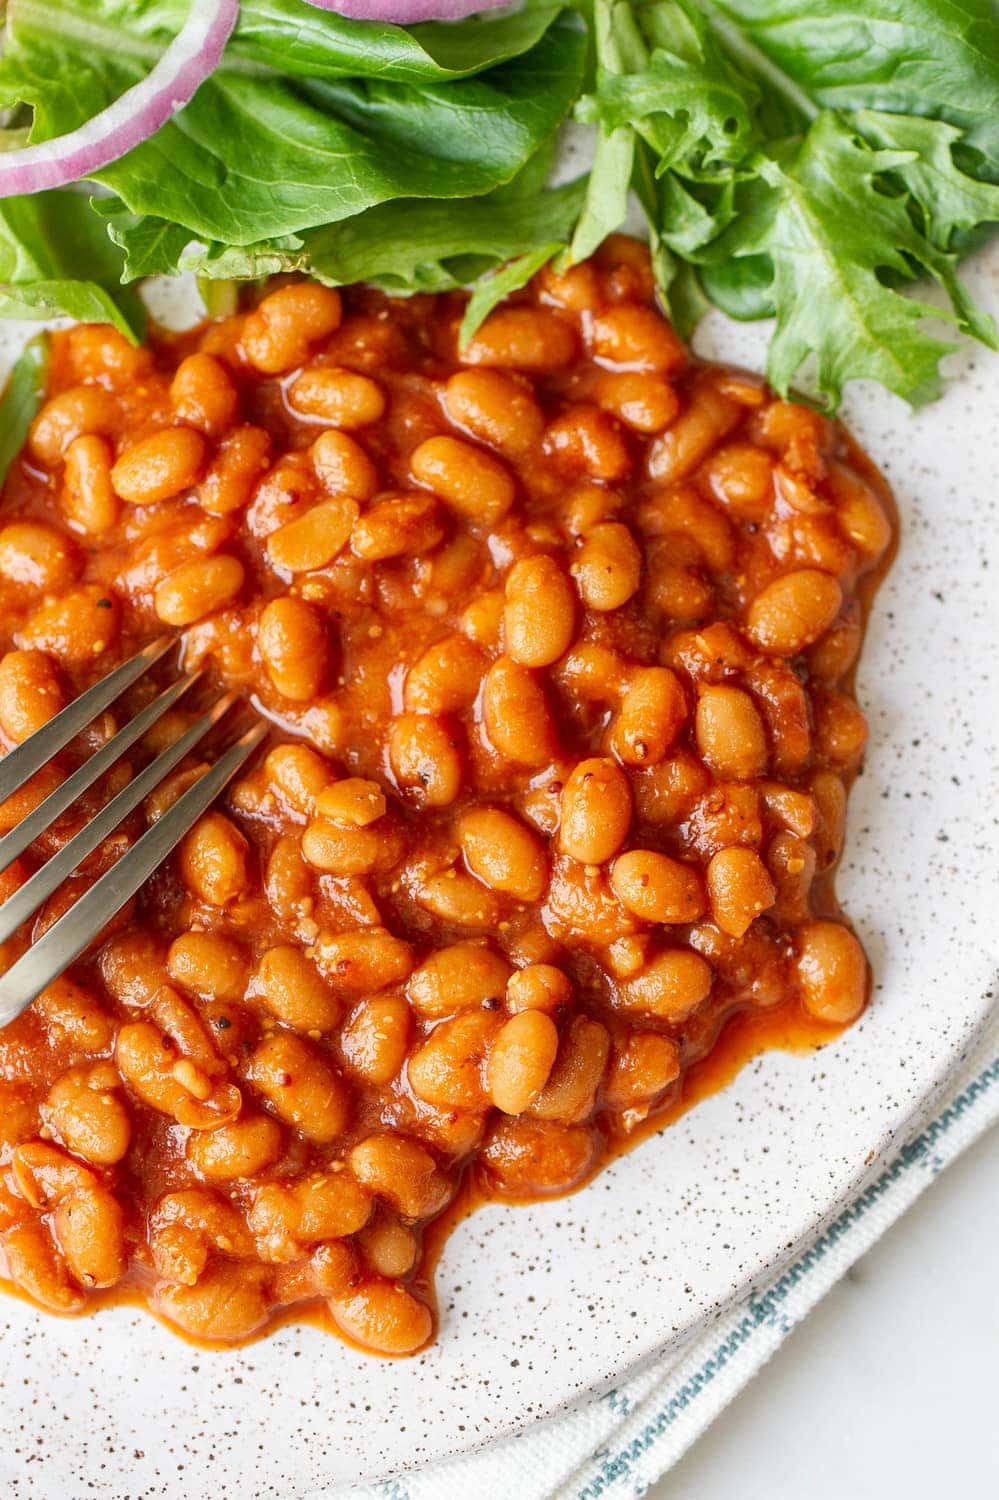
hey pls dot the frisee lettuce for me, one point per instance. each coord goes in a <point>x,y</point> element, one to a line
<point>802,159</point>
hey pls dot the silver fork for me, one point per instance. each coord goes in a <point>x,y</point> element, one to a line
<point>66,939</point>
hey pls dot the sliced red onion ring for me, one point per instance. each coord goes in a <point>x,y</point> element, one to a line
<point>407,12</point>
<point>194,53</point>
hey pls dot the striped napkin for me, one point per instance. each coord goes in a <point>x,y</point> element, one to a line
<point>615,1447</point>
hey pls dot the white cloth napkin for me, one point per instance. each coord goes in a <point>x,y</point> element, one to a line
<point>615,1447</point>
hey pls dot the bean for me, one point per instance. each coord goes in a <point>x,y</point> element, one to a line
<point>203,396</point>
<point>343,398</point>
<point>279,333</point>
<point>729,733</point>
<point>503,853</point>
<point>495,409</point>
<point>636,337</point>
<point>198,588</point>
<point>793,611</point>
<point>425,752</point>
<point>521,1060</point>
<point>293,642</point>
<point>739,888</point>
<point>657,888</point>
<point>671,986</point>
<point>30,693</point>
<point>652,713</point>
<point>516,715</point>
<point>522,338</point>
<point>538,621</point>
<point>342,466</point>
<point>608,567</point>
<point>159,466</point>
<point>463,976</point>
<point>303,1088</point>
<point>596,811</point>
<point>471,482</point>
<point>314,539</point>
<point>832,972</point>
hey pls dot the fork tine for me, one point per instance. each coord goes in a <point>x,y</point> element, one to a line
<point>67,938</point>
<point>28,757</point>
<point>22,834</point>
<point>29,897</point>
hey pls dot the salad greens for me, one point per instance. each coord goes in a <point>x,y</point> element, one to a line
<point>800,159</point>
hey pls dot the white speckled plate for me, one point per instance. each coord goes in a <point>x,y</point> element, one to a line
<point>542,1305</point>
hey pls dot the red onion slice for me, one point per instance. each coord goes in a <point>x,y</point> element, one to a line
<point>194,53</point>
<point>407,12</point>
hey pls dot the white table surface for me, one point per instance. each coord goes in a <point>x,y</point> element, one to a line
<point>888,1390</point>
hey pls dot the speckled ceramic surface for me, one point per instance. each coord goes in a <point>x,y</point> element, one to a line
<point>542,1305</point>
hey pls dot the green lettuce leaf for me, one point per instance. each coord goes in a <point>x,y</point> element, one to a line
<point>56,260</point>
<point>255,155</point>
<point>830,232</point>
<point>22,397</point>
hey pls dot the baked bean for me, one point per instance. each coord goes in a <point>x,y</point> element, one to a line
<point>169,1083</point>
<point>208,965</point>
<point>462,976</point>
<point>593,673</point>
<point>402,1171</point>
<point>521,1060</point>
<point>226,1305</point>
<point>186,1226</point>
<point>302,1087</point>
<point>538,620</point>
<point>286,1216</point>
<point>84,1112</point>
<point>375,1039</point>
<point>75,627</point>
<point>585,438</point>
<point>796,809</point>
<point>293,642</point>
<point>530,1158</point>
<point>36,556</point>
<point>343,398</point>
<point>446,678</point>
<point>793,611</point>
<point>833,654</point>
<point>471,482</point>
<point>299,774</point>
<point>342,466</point>
<point>516,715</point>
<point>671,986</point>
<point>353,802</point>
<point>213,860</point>
<point>729,733</point>
<point>637,337</point>
<point>390,1248</point>
<point>740,477</point>
<point>680,512</point>
<point>840,729</point>
<point>503,853</point>
<point>241,1148</point>
<point>358,961</point>
<point>832,972</point>
<point>88,499</point>
<point>292,990</point>
<point>35,1265</point>
<point>198,588</point>
<point>495,409</point>
<point>657,888</point>
<point>203,396</point>
<point>830,801</point>
<point>570,1092</point>
<point>685,444</point>
<point>575,287</point>
<point>792,864</point>
<point>587,506</point>
<point>459,899</point>
<point>446,1070</point>
<point>608,567</point>
<point>641,1069</point>
<point>522,338</point>
<point>81,411</point>
<point>425,752</point>
<point>650,718</point>
<point>538,987</point>
<point>159,466</point>
<point>596,811</point>
<point>240,460</point>
<point>314,539</point>
<point>739,888</point>
<point>343,850</point>
<point>279,333</point>
<point>288,881</point>
<point>383,1316</point>
<point>89,1228</point>
<point>30,693</point>
<point>403,526</point>
<point>643,402</point>
<point>859,512</point>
